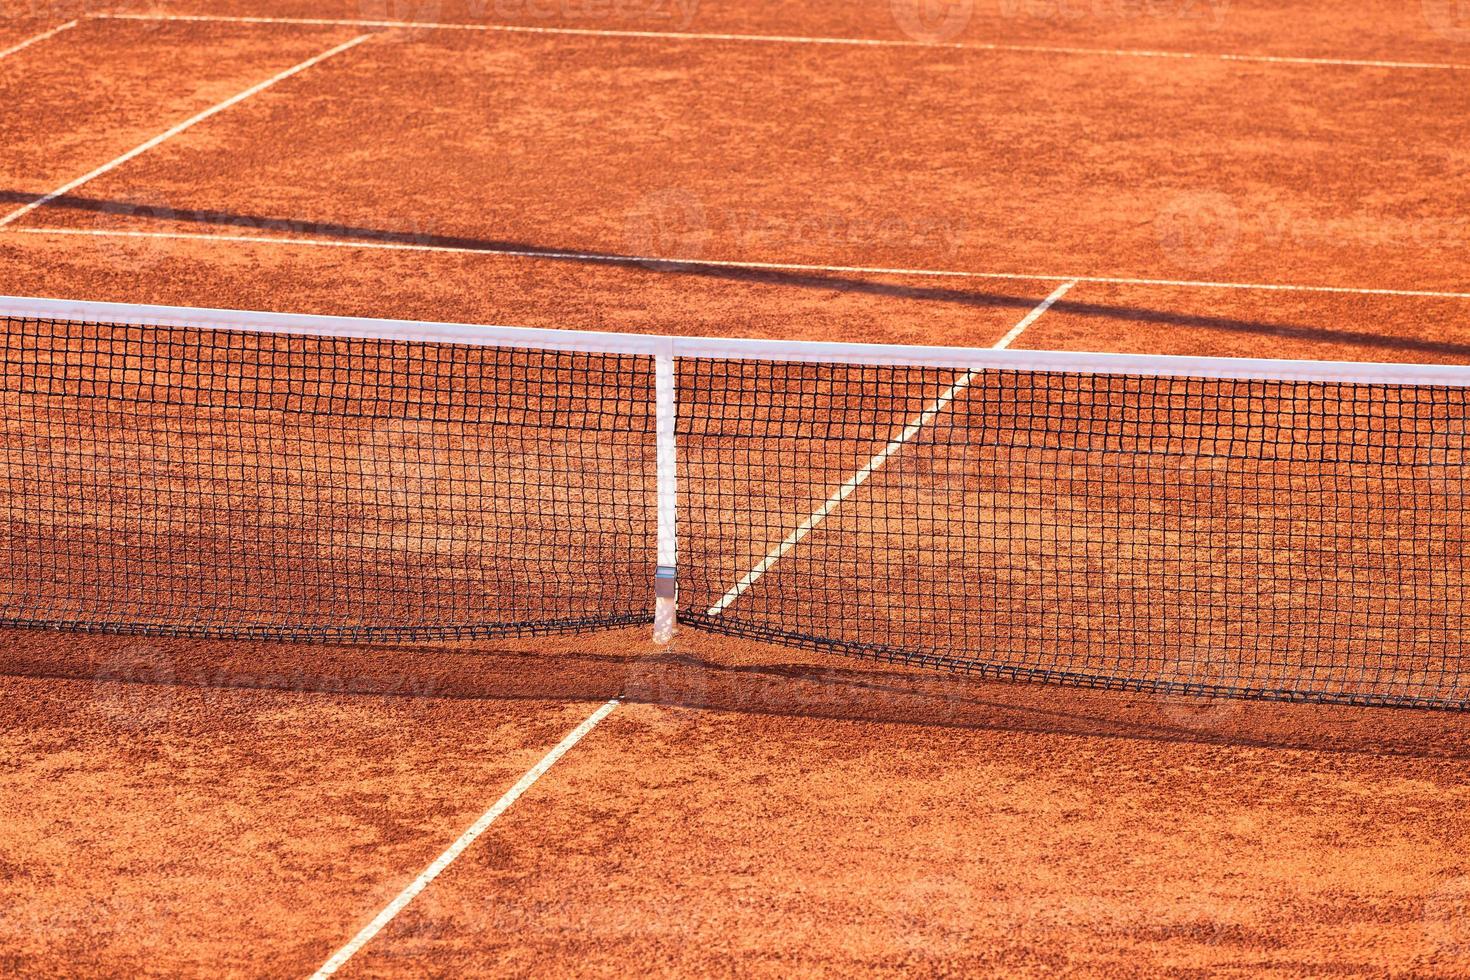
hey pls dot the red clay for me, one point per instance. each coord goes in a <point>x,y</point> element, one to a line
<point>181,807</point>
<point>749,809</point>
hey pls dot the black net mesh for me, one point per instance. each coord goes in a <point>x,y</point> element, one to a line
<point>1269,538</point>
<point>1280,539</point>
<point>172,480</point>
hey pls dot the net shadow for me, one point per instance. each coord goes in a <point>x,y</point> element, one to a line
<point>238,221</point>
<point>712,673</point>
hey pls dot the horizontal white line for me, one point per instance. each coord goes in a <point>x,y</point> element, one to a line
<point>173,131</point>
<point>726,348</point>
<point>444,860</point>
<point>37,39</point>
<point>795,39</point>
<point>644,260</point>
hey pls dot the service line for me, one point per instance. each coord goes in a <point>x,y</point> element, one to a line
<point>412,890</point>
<point>915,426</point>
<point>674,261</point>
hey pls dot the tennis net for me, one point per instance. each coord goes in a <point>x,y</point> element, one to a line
<point>1274,529</point>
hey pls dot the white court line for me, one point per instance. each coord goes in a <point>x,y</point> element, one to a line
<point>25,209</point>
<point>444,860</point>
<point>797,39</point>
<point>38,38</point>
<point>646,260</point>
<point>861,476</point>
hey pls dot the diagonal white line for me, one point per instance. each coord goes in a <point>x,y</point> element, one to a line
<point>1030,318</point>
<point>142,148</point>
<point>861,476</point>
<point>38,38</point>
<point>656,260</point>
<point>862,42</point>
<point>409,893</point>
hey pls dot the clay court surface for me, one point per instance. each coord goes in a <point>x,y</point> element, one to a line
<point>1197,178</point>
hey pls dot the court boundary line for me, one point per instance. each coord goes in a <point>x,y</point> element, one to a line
<point>655,261</point>
<point>38,38</point>
<point>178,128</point>
<point>915,426</point>
<point>981,46</point>
<point>412,890</point>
